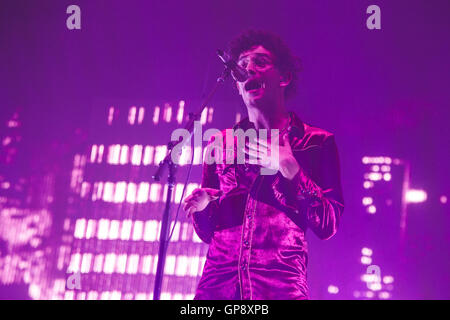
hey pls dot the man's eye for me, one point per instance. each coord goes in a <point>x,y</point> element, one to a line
<point>242,64</point>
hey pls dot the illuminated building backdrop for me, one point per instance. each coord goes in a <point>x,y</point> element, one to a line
<point>85,116</point>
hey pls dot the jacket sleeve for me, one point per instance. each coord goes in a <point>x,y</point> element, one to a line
<point>203,221</point>
<point>319,196</point>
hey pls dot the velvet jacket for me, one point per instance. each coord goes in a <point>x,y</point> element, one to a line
<point>256,229</point>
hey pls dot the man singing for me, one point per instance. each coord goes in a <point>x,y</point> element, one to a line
<point>256,224</point>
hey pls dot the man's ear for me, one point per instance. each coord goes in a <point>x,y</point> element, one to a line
<point>285,79</point>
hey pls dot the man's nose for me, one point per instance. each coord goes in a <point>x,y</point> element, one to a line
<point>251,70</point>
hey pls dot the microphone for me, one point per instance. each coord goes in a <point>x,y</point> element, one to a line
<point>237,72</point>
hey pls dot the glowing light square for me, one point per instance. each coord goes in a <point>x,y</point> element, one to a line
<point>119,194</point>
<point>167,112</point>
<point>124,154</point>
<point>195,238</point>
<point>181,266</point>
<point>194,266</point>
<point>86,263</point>
<point>108,192</point>
<point>176,231</point>
<point>160,153</point>
<point>121,263</point>
<point>98,263</point>
<point>180,112</point>
<point>186,231</point>
<point>170,265</point>
<point>151,230</point>
<point>80,227</point>
<point>136,155</point>
<point>143,192</point>
<point>178,192</point>
<point>133,263</point>
<point>204,115</point>
<point>90,229</point>
<point>141,115</point>
<point>125,232</point>
<point>113,154</point>
<point>93,152</point>
<point>147,264</point>
<point>101,149</point>
<point>148,155</point>
<point>74,264</point>
<point>137,230</point>
<point>110,263</point>
<point>103,229</point>
<point>132,115</point>
<point>114,229</point>
<point>155,192</point>
<point>156,115</point>
<point>131,192</point>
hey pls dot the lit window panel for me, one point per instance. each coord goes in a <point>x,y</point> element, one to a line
<point>114,154</point>
<point>103,229</point>
<point>156,113</point>
<point>114,230</point>
<point>74,264</point>
<point>143,192</point>
<point>80,227</point>
<point>125,231</point>
<point>148,155</point>
<point>119,194</point>
<point>93,153</point>
<point>194,266</point>
<point>132,115</point>
<point>138,228</point>
<point>204,115</point>
<point>98,263</point>
<point>178,192</point>
<point>132,264</point>
<point>181,266</point>
<point>141,115</point>
<point>85,188</point>
<point>160,153</point>
<point>101,149</point>
<point>131,192</point>
<point>86,263</point>
<point>155,192</point>
<point>210,114</point>
<point>151,230</point>
<point>124,154</point>
<point>167,112</point>
<point>110,263</point>
<point>180,113</point>
<point>110,115</point>
<point>91,228</point>
<point>121,263</point>
<point>170,265</point>
<point>136,155</point>
<point>147,264</point>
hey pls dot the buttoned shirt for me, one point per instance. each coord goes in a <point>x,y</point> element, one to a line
<point>256,229</point>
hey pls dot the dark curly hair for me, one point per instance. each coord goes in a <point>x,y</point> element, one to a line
<point>285,61</point>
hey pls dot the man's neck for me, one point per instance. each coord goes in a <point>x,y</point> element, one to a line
<point>273,117</point>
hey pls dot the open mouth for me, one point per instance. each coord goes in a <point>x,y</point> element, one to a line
<point>254,84</point>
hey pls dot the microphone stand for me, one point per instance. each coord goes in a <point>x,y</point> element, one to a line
<point>172,166</point>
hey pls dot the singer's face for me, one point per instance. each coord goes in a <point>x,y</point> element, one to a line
<point>263,84</point>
